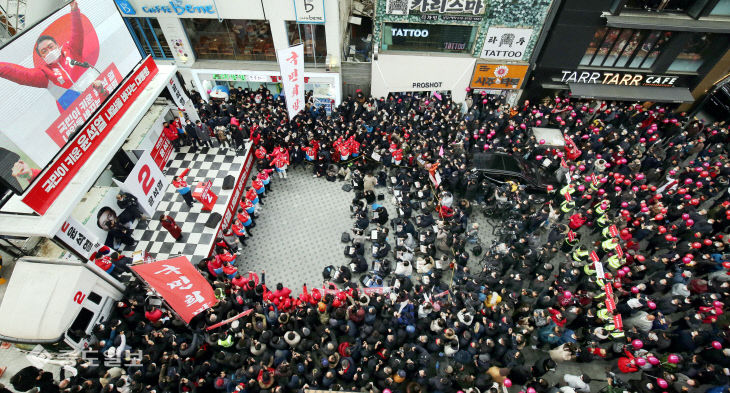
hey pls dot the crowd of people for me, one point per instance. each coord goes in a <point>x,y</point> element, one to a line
<point>641,189</point>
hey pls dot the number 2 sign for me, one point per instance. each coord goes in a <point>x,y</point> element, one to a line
<point>147,183</point>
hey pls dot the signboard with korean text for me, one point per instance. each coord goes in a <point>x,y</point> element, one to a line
<point>397,7</point>
<point>161,151</point>
<point>309,11</point>
<point>177,93</point>
<point>180,284</point>
<point>53,77</point>
<point>74,155</point>
<point>498,76</point>
<point>75,235</point>
<point>147,183</point>
<point>235,197</point>
<point>506,43</point>
<point>473,7</point>
<point>291,63</point>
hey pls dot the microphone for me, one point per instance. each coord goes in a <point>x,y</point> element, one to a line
<point>78,63</point>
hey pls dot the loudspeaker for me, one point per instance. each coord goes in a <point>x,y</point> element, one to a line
<point>228,182</point>
<point>213,220</point>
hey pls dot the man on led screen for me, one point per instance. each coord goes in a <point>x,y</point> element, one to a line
<point>65,72</point>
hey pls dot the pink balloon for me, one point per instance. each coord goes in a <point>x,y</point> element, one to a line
<point>686,260</point>
<point>617,189</point>
<point>672,172</point>
<point>582,167</point>
<point>484,93</point>
<point>637,344</point>
<point>662,383</point>
<point>635,188</point>
<point>581,188</point>
<point>674,359</point>
<point>542,141</point>
<point>624,204</point>
<point>523,126</point>
<point>621,273</point>
<point>687,181</point>
<point>572,168</point>
<point>538,122</point>
<point>538,157</point>
<point>651,305</point>
<point>716,345</point>
<point>641,362</point>
<point>468,89</point>
<point>644,209</point>
<point>484,101</point>
<point>507,382</point>
<point>690,222</point>
<point>531,390</point>
<point>639,176</point>
<point>567,294</point>
<point>653,360</point>
<point>634,290</point>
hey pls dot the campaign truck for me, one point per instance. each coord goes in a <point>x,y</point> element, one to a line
<point>56,303</point>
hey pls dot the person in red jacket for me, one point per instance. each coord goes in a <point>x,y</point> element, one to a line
<point>280,162</point>
<point>576,221</point>
<point>258,185</point>
<point>240,231</point>
<point>64,71</point>
<point>171,134</point>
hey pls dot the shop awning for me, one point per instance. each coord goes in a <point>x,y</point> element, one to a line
<point>631,93</point>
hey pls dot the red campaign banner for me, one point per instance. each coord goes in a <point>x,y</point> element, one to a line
<point>235,197</point>
<point>594,181</point>
<point>608,289</point>
<point>180,284</point>
<point>571,235</point>
<point>594,256</point>
<point>613,231</point>
<point>84,106</point>
<point>619,251</point>
<point>618,322</point>
<point>567,196</point>
<point>229,320</point>
<point>161,151</point>
<point>60,172</point>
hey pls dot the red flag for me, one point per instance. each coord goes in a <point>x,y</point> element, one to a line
<point>180,284</point>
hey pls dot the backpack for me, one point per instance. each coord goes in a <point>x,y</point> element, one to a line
<point>345,238</point>
<point>327,272</point>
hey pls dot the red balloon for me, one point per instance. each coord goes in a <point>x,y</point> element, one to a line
<point>707,242</point>
<point>616,284</point>
<point>696,245</point>
<point>662,229</point>
<point>659,217</point>
<point>640,258</point>
<point>726,265</point>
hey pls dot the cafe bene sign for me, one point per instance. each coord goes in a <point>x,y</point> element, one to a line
<point>618,78</point>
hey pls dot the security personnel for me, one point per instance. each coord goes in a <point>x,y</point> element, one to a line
<point>566,206</point>
<point>615,262</point>
<point>569,188</point>
<point>568,245</point>
<point>602,221</point>
<point>609,244</point>
<point>588,269</point>
<point>579,254</point>
<point>606,232</point>
<point>227,342</point>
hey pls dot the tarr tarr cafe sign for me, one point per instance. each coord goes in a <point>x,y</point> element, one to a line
<point>618,78</point>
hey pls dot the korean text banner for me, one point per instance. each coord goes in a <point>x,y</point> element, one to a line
<point>291,63</point>
<point>180,284</point>
<point>52,79</point>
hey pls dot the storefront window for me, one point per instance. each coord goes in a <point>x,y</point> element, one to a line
<point>659,5</point>
<point>625,48</point>
<point>693,54</point>
<point>722,8</point>
<point>148,36</point>
<point>428,38</point>
<point>235,39</point>
<point>313,38</point>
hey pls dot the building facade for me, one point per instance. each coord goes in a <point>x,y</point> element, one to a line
<point>224,44</point>
<point>636,50</point>
<point>452,45</point>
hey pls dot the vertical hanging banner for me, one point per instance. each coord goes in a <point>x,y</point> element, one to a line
<point>75,235</point>
<point>182,101</point>
<point>291,63</point>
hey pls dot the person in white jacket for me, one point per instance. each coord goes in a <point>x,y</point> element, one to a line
<point>403,268</point>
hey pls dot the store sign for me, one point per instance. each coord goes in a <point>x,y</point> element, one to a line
<point>475,7</point>
<point>241,78</point>
<point>174,7</point>
<point>618,78</point>
<point>405,32</point>
<point>397,7</point>
<point>309,11</point>
<point>75,235</point>
<point>291,63</point>
<point>506,43</point>
<point>498,76</point>
<point>60,172</point>
<point>451,18</point>
<point>177,93</point>
<point>147,183</point>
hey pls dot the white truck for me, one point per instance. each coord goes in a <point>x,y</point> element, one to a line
<point>51,301</point>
